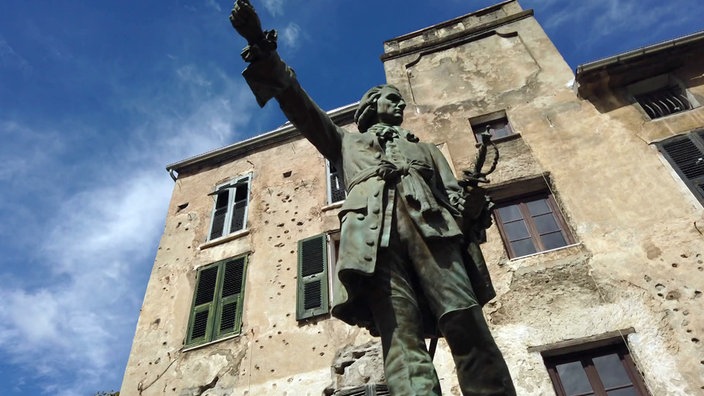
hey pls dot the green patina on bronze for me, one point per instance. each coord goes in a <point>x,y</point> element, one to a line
<point>409,260</point>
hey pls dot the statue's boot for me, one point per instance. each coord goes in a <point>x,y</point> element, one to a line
<point>481,369</point>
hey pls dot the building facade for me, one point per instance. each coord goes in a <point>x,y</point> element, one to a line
<point>596,252</point>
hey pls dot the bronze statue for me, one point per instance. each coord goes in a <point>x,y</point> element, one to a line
<point>409,263</point>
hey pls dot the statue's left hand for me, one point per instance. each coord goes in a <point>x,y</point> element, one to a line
<point>475,202</point>
<point>246,22</point>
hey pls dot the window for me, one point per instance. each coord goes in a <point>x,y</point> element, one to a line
<point>664,101</point>
<point>531,224</point>
<point>686,155</point>
<point>217,301</point>
<point>316,257</point>
<point>496,123</point>
<point>336,188</point>
<point>661,96</point>
<point>606,370</point>
<point>230,212</point>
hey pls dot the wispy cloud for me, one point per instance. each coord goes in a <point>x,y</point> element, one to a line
<point>290,35</point>
<point>213,4</point>
<point>275,7</point>
<point>95,252</point>
<point>10,59</point>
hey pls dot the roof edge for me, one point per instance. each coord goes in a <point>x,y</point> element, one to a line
<point>285,132</point>
<point>640,52</point>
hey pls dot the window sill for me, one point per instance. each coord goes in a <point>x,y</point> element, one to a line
<point>332,206</point>
<point>224,239</point>
<point>546,252</point>
<point>669,116</point>
<point>209,343</point>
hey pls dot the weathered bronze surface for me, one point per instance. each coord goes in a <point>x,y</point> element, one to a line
<point>409,263</point>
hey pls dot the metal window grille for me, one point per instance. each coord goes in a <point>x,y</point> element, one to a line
<point>663,102</point>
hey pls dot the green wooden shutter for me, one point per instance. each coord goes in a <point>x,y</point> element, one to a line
<point>686,155</point>
<point>201,322</point>
<point>231,298</point>
<point>312,296</point>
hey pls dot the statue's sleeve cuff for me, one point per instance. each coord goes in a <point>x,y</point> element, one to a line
<point>268,77</point>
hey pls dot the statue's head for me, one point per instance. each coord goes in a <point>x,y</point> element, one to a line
<point>382,103</point>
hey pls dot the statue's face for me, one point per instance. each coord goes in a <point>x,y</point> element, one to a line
<point>389,107</point>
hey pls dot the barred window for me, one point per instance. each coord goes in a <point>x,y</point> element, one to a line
<point>663,102</point>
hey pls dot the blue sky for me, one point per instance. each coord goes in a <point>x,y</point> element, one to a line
<point>97,97</point>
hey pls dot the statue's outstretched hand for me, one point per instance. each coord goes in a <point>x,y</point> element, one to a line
<point>246,22</point>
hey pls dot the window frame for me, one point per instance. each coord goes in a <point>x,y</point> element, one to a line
<point>695,139</point>
<point>213,329</point>
<point>329,175</point>
<point>585,355</point>
<point>520,202</point>
<point>479,124</point>
<point>230,188</point>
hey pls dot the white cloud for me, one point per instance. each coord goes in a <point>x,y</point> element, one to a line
<point>95,251</point>
<point>213,4</point>
<point>290,35</point>
<point>275,7</point>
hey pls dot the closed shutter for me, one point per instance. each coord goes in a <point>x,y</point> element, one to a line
<point>686,155</point>
<point>203,304</point>
<point>230,313</point>
<point>312,295</point>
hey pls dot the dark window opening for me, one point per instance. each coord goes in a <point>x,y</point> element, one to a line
<point>499,128</point>
<point>336,188</point>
